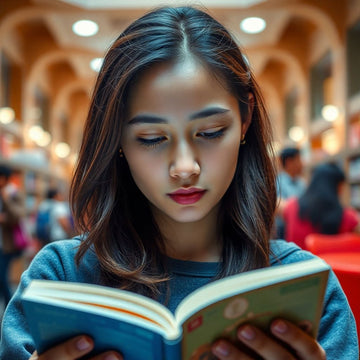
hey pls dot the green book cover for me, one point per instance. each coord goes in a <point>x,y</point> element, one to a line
<point>298,300</point>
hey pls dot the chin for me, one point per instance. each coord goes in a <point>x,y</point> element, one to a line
<point>188,216</point>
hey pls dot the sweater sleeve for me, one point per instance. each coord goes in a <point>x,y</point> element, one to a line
<point>53,262</point>
<point>337,331</point>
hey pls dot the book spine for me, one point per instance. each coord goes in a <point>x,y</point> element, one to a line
<point>172,349</point>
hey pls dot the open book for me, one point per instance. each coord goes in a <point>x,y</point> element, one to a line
<point>141,328</point>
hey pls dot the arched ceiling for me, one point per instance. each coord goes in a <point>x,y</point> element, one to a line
<point>38,35</point>
<point>50,22</point>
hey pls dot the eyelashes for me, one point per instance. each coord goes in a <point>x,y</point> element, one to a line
<point>210,135</point>
<point>151,142</point>
<point>158,140</point>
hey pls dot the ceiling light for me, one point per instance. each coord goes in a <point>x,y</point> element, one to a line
<point>44,139</point>
<point>7,115</point>
<point>36,132</point>
<point>85,28</point>
<point>96,64</point>
<point>296,133</point>
<point>330,112</point>
<point>62,150</point>
<point>253,25</point>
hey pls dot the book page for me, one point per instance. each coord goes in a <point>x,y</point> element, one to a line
<point>250,280</point>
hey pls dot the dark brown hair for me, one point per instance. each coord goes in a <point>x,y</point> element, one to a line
<point>110,211</point>
<point>320,204</point>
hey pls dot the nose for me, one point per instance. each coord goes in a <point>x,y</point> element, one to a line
<point>184,164</point>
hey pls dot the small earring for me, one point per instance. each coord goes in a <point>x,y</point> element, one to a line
<point>243,141</point>
<point>121,154</point>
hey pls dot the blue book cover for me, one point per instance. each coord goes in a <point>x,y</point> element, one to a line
<point>53,322</point>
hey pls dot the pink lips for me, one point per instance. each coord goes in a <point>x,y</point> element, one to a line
<point>187,196</point>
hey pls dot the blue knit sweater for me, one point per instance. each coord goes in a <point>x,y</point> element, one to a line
<point>337,333</point>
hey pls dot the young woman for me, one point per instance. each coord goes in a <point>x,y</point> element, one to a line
<point>319,209</point>
<point>175,181</point>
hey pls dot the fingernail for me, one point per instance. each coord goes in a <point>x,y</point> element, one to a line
<point>247,333</point>
<point>83,344</point>
<point>280,327</point>
<point>222,349</point>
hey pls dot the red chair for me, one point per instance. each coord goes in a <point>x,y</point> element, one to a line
<point>320,243</point>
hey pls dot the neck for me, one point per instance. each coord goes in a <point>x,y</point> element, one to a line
<point>195,241</point>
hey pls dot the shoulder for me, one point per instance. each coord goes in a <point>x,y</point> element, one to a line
<point>284,252</point>
<point>65,248</point>
<point>56,261</point>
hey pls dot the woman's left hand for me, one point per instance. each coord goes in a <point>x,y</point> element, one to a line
<point>303,345</point>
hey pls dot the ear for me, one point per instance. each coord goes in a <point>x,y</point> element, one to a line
<point>245,123</point>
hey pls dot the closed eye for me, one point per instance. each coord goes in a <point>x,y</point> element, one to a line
<point>151,141</point>
<point>211,134</point>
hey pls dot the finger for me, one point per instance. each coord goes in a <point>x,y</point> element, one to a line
<point>224,350</point>
<point>34,356</point>
<point>262,344</point>
<point>69,350</point>
<point>305,346</point>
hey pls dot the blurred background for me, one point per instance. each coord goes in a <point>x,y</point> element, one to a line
<point>305,55</point>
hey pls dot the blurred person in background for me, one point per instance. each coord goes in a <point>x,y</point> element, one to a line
<point>319,209</point>
<point>290,183</point>
<point>53,218</point>
<point>12,210</point>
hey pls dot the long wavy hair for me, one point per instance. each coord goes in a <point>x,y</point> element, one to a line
<point>320,204</point>
<point>111,212</point>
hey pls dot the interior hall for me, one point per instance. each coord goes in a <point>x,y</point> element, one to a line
<point>305,55</point>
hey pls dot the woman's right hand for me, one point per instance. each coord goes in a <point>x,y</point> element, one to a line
<point>74,349</point>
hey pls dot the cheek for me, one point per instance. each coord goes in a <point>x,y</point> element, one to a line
<point>145,171</point>
<point>221,165</point>
<point>225,158</point>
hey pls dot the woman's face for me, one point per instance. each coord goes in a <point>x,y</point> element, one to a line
<point>181,140</point>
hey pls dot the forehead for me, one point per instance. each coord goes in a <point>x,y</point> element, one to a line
<point>186,83</point>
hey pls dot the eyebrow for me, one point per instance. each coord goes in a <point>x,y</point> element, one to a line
<point>153,119</point>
